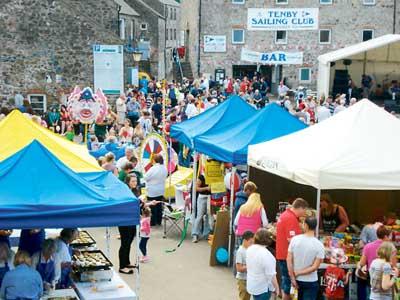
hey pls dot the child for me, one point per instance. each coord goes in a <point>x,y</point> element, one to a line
<point>94,143</point>
<point>241,275</point>
<point>145,233</point>
<point>335,278</point>
<point>69,134</point>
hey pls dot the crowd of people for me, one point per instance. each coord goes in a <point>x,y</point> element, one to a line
<point>153,107</point>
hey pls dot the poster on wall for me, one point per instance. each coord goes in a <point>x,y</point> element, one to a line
<point>108,61</point>
<point>282,19</point>
<point>272,58</point>
<point>214,43</point>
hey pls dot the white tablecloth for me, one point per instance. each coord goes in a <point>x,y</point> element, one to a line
<point>60,293</point>
<point>86,290</point>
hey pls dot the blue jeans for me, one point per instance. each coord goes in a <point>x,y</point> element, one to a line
<point>264,296</point>
<point>307,290</point>
<point>286,283</point>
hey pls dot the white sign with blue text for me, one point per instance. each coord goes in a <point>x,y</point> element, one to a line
<point>214,43</point>
<point>108,61</point>
<point>272,58</point>
<point>282,19</point>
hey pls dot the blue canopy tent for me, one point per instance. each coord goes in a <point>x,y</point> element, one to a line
<point>230,143</point>
<point>232,111</point>
<point>38,191</point>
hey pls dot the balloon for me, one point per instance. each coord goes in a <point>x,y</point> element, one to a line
<point>221,255</point>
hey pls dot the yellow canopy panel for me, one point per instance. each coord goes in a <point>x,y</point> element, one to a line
<point>17,131</point>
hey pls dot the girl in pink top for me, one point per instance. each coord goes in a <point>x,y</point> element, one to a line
<point>145,229</point>
<point>251,216</point>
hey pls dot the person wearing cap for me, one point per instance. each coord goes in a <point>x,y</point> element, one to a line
<point>336,277</point>
<point>305,255</point>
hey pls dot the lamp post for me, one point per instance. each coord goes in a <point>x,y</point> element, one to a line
<point>137,57</point>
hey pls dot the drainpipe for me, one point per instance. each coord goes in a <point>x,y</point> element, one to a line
<point>165,40</point>
<point>199,48</point>
<point>118,21</point>
<point>394,16</point>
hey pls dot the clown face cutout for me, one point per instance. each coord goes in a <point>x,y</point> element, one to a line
<point>86,107</point>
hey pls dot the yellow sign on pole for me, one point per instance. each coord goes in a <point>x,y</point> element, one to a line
<point>213,172</point>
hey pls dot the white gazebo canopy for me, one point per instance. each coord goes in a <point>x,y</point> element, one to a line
<point>379,56</point>
<point>357,149</point>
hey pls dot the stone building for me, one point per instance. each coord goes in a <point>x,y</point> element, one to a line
<point>158,34</point>
<point>47,45</point>
<point>190,32</point>
<point>341,23</point>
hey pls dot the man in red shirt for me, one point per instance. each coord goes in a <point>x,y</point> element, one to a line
<point>287,227</point>
<point>244,85</point>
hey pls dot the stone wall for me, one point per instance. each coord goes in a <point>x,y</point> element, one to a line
<point>190,25</point>
<point>346,19</point>
<point>40,39</point>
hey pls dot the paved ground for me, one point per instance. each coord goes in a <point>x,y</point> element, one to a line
<point>182,275</point>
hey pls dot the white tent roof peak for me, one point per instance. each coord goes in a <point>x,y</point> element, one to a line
<point>355,149</point>
<point>359,48</point>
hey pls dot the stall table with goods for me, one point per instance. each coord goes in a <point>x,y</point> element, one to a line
<point>93,274</point>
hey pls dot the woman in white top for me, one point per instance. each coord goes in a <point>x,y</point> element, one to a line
<point>261,268</point>
<point>155,184</point>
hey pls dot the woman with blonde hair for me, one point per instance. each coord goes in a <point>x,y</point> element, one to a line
<point>251,215</point>
<point>383,276</point>
<point>23,282</point>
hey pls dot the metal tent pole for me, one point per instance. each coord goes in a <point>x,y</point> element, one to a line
<point>318,210</point>
<point>169,162</point>
<point>108,237</point>
<point>232,179</point>
<point>194,180</point>
<point>137,285</point>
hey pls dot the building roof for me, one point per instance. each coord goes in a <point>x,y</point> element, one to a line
<point>170,2</point>
<point>126,9</point>
<point>144,4</point>
<point>381,46</point>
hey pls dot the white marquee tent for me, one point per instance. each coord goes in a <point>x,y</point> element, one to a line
<point>379,57</point>
<point>357,149</point>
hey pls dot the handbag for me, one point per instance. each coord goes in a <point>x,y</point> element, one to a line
<point>362,273</point>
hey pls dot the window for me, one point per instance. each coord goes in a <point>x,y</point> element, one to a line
<point>174,13</point>
<point>325,2</point>
<point>281,1</point>
<point>166,34</point>
<point>171,13</point>
<point>238,36</point>
<point>38,103</point>
<point>369,2</point>
<point>281,37</point>
<point>238,1</point>
<point>325,36</point>
<point>305,75</point>
<point>367,34</point>
<point>143,26</point>
<point>132,29</point>
<point>174,34</point>
<point>122,29</point>
<point>170,34</point>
